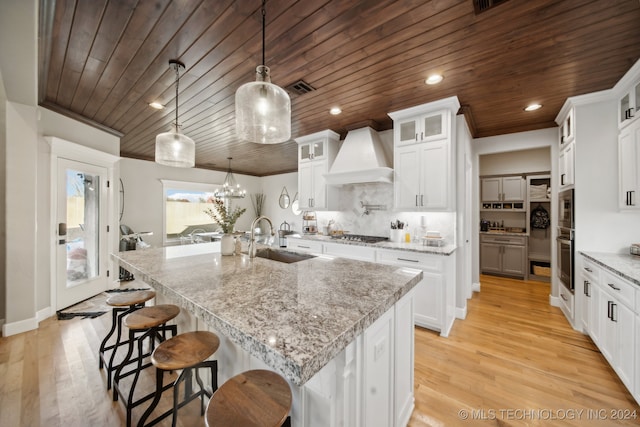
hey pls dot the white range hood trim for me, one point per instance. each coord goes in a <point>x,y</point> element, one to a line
<point>382,174</point>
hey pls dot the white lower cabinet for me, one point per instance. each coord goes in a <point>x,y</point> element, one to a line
<point>435,294</point>
<point>304,245</point>
<point>614,322</point>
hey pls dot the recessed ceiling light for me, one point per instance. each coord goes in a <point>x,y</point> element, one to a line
<point>156,105</point>
<point>532,107</point>
<point>434,79</point>
<point>335,111</point>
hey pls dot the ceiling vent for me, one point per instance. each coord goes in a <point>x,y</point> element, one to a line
<point>483,5</point>
<point>299,88</point>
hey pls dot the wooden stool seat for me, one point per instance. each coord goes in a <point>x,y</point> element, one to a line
<point>152,316</point>
<point>123,299</point>
<point>185,350</point>
<point>252,398</point>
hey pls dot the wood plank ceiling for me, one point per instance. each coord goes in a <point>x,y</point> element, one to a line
<point>104,61</point>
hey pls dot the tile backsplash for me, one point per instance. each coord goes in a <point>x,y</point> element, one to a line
<point>352,218</point>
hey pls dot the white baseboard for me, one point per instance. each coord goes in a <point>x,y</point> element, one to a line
<point>475,287</point>
<point>461,313</point>
<point>44,314</point>
<point>14,328</point>
<point>554,301</point>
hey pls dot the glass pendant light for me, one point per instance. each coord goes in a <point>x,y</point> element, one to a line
<point>263,110</point>
<point>230,188</point>
<point>174,148</point>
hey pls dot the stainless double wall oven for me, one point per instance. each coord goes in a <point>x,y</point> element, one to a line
<point>566,214</point>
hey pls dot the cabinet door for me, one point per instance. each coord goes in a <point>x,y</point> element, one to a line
<point>406,131</point>
<point>319,191</point>
<point>513,188</point>
<point>305,185</point>
<point>429,303</point>
<point>404,350</point>
<point>624,320</point>
<point>407,177</point>
<point>434,126</point>
<point>491,258</point>
<point>607,327</point>
<point>378,372</point>
<point>587,290</point>
<point>595,314</point>
<point>434,175</point>
<point>514,260</point>
<point>566,167</point>
<point>628,165</point>
<point>491,189</point>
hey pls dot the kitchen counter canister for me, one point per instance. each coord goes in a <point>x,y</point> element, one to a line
<point>294,317</point>
<point>624,265</point>
<point>400,246</point>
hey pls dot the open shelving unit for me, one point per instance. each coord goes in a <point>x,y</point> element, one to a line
<point>539,254</point>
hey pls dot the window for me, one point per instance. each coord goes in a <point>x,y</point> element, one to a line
<point>184,206</point>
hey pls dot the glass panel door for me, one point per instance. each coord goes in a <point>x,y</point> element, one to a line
<point>81,216</point>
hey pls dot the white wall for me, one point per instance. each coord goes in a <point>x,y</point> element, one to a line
<point>600,225</point>
<point>272,188</point>
<point>143,194</point>
<point>520,162</point>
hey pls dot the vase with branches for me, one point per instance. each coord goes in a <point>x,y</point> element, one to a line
<point>223,216</point>
<point>257,200</point>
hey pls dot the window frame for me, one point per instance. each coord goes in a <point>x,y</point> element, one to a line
<point>168,184</point>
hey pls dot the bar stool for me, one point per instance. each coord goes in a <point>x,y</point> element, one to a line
<point>252,398</point>
<point>188,352</point>
<point>148,323</point>
<point>123,303</point>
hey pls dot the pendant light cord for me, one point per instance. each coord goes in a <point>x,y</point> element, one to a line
<point>264,20</point>
<point>177,81</point>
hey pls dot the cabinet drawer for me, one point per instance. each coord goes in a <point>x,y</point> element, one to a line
<point>426,262</point>
<point>566,299</point>
<point>504,240</point>
<point>342,250</point>
<point>304,245</point>
<point>619,288</point>
<point>590,270</point>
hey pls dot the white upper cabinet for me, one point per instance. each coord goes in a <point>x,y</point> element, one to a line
<point>628,161</point>
<point>421,128</point>
<point>566,157</point>
<point>629,105</point>
<point>316,153</point>
<point>503,189</point>
<point>567,129</point>
<point>424,176</point>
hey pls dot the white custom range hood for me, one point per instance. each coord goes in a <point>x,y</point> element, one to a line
<point>361,159</point>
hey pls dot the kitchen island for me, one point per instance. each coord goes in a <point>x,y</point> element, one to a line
<point>340,331</point>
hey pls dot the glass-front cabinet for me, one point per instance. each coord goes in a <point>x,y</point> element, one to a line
<point>422,128</point>
<point>311,150</point>
<point>629,104</point>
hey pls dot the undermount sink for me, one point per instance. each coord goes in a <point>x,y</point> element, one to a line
<point>282,256</point>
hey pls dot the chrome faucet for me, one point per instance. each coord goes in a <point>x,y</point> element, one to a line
<point>252,241</point>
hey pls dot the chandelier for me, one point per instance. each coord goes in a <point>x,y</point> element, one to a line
<point>174,148</point>
<point>230,188</point>
<point>263,110</point>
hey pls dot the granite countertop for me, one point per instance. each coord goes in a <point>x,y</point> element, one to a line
<point>626,266</point>
<point>447,249</point>
<point>295,317</point>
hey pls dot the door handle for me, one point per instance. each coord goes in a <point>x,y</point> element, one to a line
<point>62,229</point>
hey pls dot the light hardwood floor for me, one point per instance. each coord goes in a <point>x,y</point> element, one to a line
<point>513,362</point>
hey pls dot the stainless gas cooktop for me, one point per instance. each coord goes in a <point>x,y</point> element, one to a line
<point>359,238</point>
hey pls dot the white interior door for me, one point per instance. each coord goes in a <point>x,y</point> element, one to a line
<point>81,209</point>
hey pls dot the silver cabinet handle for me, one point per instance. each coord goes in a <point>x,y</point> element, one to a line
<point>563,297</point>
<point>588,269</point>
<point>407,259</point>
<point>304,247</point>
<point>612,286</point>
<point>422,200</point>
<point>416,200</point>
